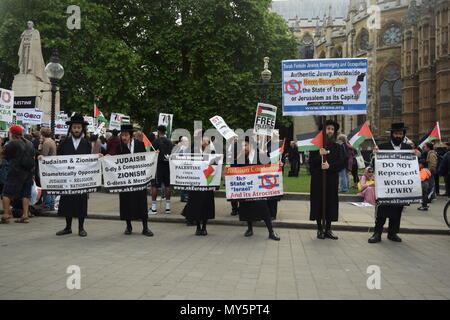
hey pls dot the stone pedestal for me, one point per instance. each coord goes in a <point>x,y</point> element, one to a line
<point>27,85</point>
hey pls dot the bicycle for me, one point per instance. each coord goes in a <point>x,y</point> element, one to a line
<point>447,216</point>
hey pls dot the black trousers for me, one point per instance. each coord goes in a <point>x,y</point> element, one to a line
<point>295,167</point>
<point>234,205</point>
<point>436,183</point>
<point>394,224</point>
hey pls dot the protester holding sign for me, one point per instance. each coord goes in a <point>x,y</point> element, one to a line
<point>255,210</point>
<point>133,205</point>
<point>200,206</point>
<point>331,165</point>
<point>393,212</point>
<point>74,205</point>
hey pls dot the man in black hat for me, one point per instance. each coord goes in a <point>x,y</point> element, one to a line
<point>74,205</point>
<point>133,205</point>
<point>393,212</point>
<point>328,160</point>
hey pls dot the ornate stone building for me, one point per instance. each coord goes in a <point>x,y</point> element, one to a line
<point>407,45</point>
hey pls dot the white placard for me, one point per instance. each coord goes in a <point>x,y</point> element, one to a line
<point>30,116</point>
<point>265,118</point>
<point>6,105</point>
<point>166,119</point>
<point>222,127</point>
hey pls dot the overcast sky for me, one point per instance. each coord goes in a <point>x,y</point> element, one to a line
<point>310,8</point>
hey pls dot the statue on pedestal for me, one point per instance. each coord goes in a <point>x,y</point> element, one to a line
<point>30,54</point>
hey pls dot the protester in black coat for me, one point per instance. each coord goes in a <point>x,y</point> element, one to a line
<point>393,212</point>
<point>74,205</point>
<point>133,205</point>
<point>332,164</point>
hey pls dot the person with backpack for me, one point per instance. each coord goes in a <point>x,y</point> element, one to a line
<point>164,146</point>
<point>20,154</point>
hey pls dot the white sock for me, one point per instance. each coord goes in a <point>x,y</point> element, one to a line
<point>153,205</point>
<point>167,204</point>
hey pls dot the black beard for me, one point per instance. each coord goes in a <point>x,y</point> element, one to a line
<point>76,136</point>
<point>397,141</point>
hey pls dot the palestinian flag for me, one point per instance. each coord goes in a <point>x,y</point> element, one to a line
<point>275,156</point>
<point>98,114</point>
<point>433,134</point>
<point>359,135</point>
<point>3,125</point>
<point>310,141</point>
<point>209,174</point>
<point>266,110</point>
<point>147,142</point>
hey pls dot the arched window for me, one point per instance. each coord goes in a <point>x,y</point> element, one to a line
<point>337,52</point>
<point>322,55</point>
<point>391,93</point>
<point>363,40</point>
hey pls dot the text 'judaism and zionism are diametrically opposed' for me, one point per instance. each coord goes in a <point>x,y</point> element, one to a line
<point>324,87</point>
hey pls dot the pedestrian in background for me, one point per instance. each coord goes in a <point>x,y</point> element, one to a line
<point>47,148</point>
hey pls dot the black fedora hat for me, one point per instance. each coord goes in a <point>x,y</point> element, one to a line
<point>77,118</point>
<point>127,128</point>
<point>330,122</point>
<point>397,126</point>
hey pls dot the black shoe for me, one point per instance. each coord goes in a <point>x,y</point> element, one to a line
<point>274,236</point>
<point>423,208</point>
<point>204,232</point>
<point>234,212</point>
<point>248,233</point>
<point>394,237</point>
<point>147,233</point>
<point>127,231</point>
<point>376,237</point>
<point>82,233</point>
<point>63,232</point>
<point>328,234</point>
<point>320,234</point>
<point>198,232</point>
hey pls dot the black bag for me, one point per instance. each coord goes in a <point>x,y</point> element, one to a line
<point>27,159</point>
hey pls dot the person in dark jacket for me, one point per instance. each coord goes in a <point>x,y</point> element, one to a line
<point>393,212</point>
<point>328,160</point>
<point>113,142</point>
<point>294,160</point>
<point>444,170</point>
<point>133,205</point>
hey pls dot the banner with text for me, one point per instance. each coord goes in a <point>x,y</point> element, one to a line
<point>397,178</point>
<point>129,172</point>
<point>266,115</point>
<point>6,105</point>
<point>30,116</point>
<point>195,172</point>
<point>69,175</point>
<point>324,87</point>
<point>254,182</point>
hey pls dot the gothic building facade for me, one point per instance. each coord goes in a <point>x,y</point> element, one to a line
<point>407,45</point>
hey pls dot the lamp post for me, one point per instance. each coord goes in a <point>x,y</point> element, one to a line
<point>55,72</point>
<point>266,75</point>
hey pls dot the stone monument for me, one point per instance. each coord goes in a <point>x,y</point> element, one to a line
<point>27,85</point>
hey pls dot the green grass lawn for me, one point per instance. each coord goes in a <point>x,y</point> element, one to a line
<point>298,184</point>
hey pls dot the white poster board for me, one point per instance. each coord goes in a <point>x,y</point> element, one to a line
<point>6,105</point>
<point>222,127</point>
<point>265,118</point>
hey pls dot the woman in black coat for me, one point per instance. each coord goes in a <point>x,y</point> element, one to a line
<point>133,205</point>
<point>253,210</point>
<point>200,206</point>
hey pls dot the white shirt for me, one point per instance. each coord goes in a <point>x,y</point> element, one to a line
<point>131,146</point>
<point>76,142</point>
<point>251,156</point>
<point>396,147</point>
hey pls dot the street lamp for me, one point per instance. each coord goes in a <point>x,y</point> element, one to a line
<point>55,72</point>
<point>266,75</point>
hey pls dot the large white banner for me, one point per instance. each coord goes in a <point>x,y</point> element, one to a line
<point>67,175</point>
<point>397,177</point>
<point>222,127</point>
<point>324,87</point>
<point>195,172</point>
<point>6,105</point>
<point>266,115</point>
<point>30,116</point>
<point>129,172</point>
<point>255,182</point>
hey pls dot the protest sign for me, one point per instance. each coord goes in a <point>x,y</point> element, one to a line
<point>397,177</point>
<point>61,127</point>
<point>6,105</point>
<point>222,127</point>
<point>117,119</point>
<point>195,172</point>
<point>129,172</point>
<point>30,116</point>
<point>166,119</point>
<point>90,121</point>
<point>74,174</point>
<point>265,119</point>
<point>324,87</point>
<point>254,182</point>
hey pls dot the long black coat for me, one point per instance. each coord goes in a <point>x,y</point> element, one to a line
<point>133,205</point>
<point>256,210</point>
<point>389,211</point>
<point>73,205</point>
<point>336,161</point>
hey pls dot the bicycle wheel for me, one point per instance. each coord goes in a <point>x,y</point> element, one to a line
<point>446,215</point>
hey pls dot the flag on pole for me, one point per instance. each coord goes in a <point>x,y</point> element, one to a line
<point>275,156</point>
<point>310,141</point>
<point>209,174</point>
<point>98,114</point>
<point>359,135</point>
<point>433,134</point>
<point>147,142</point>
